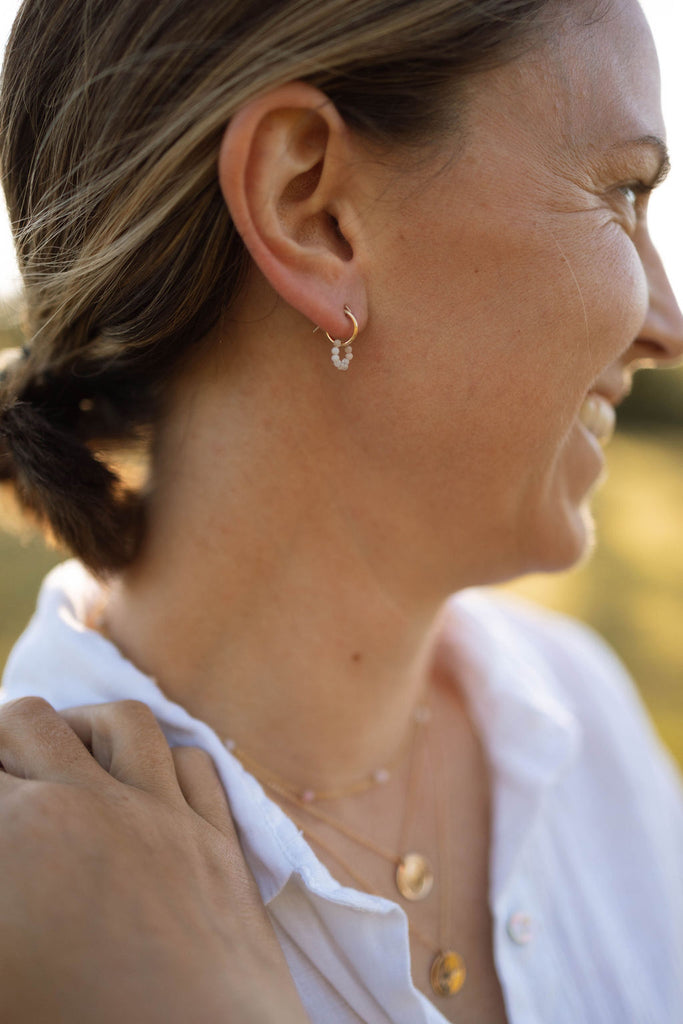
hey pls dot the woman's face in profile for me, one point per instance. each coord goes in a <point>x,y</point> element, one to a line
<point>517,272</point>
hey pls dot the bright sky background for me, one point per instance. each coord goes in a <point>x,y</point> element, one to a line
<point>666,218</point>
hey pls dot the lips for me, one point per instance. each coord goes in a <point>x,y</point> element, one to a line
<point>598,417</point>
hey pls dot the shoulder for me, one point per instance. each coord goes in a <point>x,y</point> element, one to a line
<point>610,825</point>
<point>620,760</point>
<point>582,670</point>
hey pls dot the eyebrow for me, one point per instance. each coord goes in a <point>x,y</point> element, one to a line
<point>652,142</point>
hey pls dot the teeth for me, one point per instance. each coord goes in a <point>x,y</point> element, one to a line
<point>598,416</point>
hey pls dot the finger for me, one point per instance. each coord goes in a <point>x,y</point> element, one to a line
<point>36,743</point>
<point>126,740</point>
<point>202,788</point>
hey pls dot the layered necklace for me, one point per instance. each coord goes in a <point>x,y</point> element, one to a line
<point>414,876</point>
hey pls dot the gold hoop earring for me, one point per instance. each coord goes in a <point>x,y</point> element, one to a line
<point>343,363</point>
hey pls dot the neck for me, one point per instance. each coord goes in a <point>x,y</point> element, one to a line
<point>260,604</point>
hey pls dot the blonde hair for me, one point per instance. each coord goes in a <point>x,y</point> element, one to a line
<point>111,116</point>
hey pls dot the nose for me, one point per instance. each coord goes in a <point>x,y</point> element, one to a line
<point>661,336</point>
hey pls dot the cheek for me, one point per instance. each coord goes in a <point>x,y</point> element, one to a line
<point>575,303</point>
<point>616,286</point>
<point>496,330</point>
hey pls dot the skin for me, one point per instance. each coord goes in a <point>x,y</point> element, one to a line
<point>317,521</point>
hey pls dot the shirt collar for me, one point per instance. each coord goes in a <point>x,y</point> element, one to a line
<point>530,734</point>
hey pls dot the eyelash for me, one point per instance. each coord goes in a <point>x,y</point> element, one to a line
<point>639,190</point>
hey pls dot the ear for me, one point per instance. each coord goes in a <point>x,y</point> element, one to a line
<point>284,170</point>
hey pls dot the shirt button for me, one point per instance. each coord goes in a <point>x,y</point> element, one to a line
<point>520,928</point>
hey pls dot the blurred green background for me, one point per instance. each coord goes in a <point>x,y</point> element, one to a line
<point>631,590</point>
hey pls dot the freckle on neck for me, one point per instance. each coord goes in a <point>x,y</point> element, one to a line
<point>356,657</point>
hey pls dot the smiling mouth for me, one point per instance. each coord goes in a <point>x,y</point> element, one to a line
<point>598,417</point>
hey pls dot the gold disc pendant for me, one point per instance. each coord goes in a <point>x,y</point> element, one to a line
<point>448,973</point>
<point>414,876</point>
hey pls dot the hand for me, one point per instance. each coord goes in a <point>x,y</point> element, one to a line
<point>124,895</point>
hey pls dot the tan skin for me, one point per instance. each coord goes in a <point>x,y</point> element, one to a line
<point>497,282</point>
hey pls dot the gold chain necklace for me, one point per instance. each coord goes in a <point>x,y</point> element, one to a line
<point>413,873</point>
<point>308,795</point>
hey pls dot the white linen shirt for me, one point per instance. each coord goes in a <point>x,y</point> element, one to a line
<point>586,867</point>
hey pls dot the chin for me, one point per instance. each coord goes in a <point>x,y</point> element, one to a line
<point>563,543</point>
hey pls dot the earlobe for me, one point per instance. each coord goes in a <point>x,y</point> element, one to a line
<point>283,171</point>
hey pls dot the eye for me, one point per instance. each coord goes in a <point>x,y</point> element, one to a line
<point>631,193</point>
<point>636,193</point>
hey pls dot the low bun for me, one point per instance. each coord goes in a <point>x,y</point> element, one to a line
<point>10,360</point>
<point>6,460</point>
<point>68,488</point>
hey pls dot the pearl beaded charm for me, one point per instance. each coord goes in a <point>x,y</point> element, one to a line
<point>341,364</point>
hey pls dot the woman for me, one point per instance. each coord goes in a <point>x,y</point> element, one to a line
<point>453,809</point>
